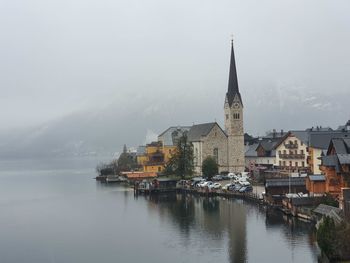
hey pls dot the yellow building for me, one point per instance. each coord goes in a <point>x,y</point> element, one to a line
<point>155,156</point>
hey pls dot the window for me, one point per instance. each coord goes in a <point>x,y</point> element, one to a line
<point>295,142</point>
<point>216,155</point>
<point>284,151</point>
<point>159,169</point>
<point>226,116</point>
<point>279,152</point>
<point>301,151</point>
<point>290,163</point>
<point>280,163</point>
<point>296,164</point>
<point>302,164</point>
<point>284,163</point>
<point>236,116</point>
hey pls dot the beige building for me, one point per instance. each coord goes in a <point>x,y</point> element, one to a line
<point>208,139</point>
<point>291,152</point>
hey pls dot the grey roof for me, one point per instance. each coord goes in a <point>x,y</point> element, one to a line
<point>321,140</point>
<point>197,131</point>
<point>169,136</point>
<point>251,151</point>
<point>339,146</point>
<point>317,177</point>
<point>331,160</point>
<point>323,209</point>
<point>344,158</point>
<point>277,182</point>
<point>302,135</point>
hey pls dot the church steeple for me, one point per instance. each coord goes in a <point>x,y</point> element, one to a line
<point>233,90</point>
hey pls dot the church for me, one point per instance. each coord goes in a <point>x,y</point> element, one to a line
<point>209,139</point>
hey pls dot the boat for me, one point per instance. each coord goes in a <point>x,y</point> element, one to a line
<point>115,179</point>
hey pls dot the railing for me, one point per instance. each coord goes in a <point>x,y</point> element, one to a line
<point>292,156</point>
<point>291,145</point>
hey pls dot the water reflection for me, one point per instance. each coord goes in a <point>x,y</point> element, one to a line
<point>225,222</point>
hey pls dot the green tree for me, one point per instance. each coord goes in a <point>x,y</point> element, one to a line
<point>326,236</point>
<point>126,161</point>
<point>181,163</point>
<point>209,167</point>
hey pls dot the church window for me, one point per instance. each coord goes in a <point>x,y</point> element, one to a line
<point>216,154</point>
<point>226,116</point>
<point>236,116</point>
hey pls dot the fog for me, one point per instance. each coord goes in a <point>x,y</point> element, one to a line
<point>94,75</point>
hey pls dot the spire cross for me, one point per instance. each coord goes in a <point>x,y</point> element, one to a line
<point>232,39</point>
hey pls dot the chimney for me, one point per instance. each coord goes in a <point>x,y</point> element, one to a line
<point>274,133</point>
<point>282,132</point>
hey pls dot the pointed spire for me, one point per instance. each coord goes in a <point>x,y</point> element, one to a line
<point>233,82</point>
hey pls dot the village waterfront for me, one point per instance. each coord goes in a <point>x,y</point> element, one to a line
<point>53,211</point>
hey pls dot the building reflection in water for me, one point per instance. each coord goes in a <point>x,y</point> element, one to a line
<point>223,222</point>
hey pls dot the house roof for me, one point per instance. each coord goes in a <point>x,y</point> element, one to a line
<point>198,131</point>
<point>301,135</point>
<point>344,158</point>
<point>282,182</point>
<point>323,209</point>
<point>251,151</point>
<point>331,160</point>
<point>170,135</point>
<point>321,140</point>
<point>317,177</point>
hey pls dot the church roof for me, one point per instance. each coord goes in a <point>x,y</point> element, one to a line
<point>197,131</point>
<point>233,90</point>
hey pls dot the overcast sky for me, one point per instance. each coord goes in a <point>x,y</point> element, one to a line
<point>67,56</point>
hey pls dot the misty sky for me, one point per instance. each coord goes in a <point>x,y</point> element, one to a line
<point>62,57</point>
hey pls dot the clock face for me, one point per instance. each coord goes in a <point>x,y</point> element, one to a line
<point>236,105</point>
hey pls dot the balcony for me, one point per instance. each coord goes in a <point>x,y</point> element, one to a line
<point>292,156</point>
<point>291,145</point>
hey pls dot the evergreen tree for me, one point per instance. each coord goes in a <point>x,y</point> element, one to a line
<point>209,167</point>
<point>181,163</point>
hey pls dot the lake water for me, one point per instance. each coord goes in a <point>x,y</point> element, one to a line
<point>53,211</point>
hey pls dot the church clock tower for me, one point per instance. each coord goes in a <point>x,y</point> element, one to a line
<point>234,121</point>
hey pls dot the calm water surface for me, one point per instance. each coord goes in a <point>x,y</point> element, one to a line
<point>53,211</point>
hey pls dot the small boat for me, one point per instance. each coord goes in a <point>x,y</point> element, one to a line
<point>115,179</point>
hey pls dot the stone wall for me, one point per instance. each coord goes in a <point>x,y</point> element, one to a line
<point>216,139</point>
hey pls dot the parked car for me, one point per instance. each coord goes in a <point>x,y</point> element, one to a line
<point>229,185</point>
<point>246,189</point>
<point>206,183</point>
<point>231,175</point>
<point>237,187</point>
<point>217,177</point>
<point>215,186</point>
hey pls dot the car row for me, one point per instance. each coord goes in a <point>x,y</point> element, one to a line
<point>209,184</point>
<point>238,187</point>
